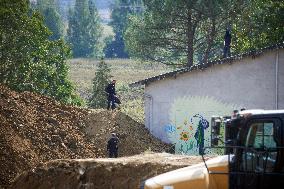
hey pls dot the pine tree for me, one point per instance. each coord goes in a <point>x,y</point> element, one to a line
<point>119,15</point>
<point>95,31</point>
<point>101,80</point>
<point>52,19</point>
<point>84,30</point>
<point>180,33</point>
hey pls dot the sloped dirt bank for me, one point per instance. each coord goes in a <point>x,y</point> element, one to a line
<point>120,173</point>
<point>35,129</point>
<point>134,137</point>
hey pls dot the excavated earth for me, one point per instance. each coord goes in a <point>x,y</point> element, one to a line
<point>134,137</point>
<point>120,173</point>
<point>36,131</point>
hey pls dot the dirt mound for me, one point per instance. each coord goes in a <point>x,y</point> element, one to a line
<point>134,137</point>
<point>120,173</point>
<point>35,129</point>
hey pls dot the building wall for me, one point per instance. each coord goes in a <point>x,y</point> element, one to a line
<point>281,79</point>
<point>178,110</point>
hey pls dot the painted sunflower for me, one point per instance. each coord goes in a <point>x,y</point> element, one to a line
<point>184,136</point>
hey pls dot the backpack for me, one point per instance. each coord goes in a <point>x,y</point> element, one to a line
<point>116,100</point>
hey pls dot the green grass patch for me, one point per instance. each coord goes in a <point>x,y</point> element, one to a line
<point>125,71</point>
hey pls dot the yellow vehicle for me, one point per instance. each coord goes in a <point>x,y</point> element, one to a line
<point>254,143</point>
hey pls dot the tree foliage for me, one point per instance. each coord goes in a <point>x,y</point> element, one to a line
<point>29,60</point>
<point>121,9</point>
<point>52,19</point>
<point>172,32</point>
<point>84,30</point>
<point>184,32</point>
<point>260,24</point>
<point>101,80</point>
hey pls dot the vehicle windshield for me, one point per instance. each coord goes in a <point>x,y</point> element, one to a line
<point>261,147</point>
<point>260,135</point>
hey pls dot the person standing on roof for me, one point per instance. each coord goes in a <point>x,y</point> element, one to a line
<point>112,146</point>
<point>110,89</point>
<point>227,43</point>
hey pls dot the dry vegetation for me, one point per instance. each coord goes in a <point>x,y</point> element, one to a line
<point>125,71</point>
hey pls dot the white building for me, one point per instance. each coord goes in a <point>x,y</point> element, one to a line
<point>177,102</point>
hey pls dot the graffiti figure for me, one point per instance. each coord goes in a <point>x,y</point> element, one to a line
<point>170,128</point>
<point>199,134</point>
<point>186,148</point>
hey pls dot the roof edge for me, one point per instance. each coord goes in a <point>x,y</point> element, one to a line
<point>202,66</point>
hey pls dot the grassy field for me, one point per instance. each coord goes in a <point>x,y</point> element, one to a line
<point>125,71</point>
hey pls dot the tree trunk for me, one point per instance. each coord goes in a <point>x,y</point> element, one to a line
<point>210,39</point>
<point>190,36</point>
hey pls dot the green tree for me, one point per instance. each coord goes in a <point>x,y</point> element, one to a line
<point>185,32</point>
<point>259,25</point>
<point>101,80</point>
<point>95,31</point>
<point>121,9</point>
<point>29,60</point>
<point>180,32</point>
<point>52,19</point>
<point>84,30</point>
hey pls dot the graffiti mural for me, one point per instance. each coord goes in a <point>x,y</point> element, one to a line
<point>189,127</point>
<point>199,134</point>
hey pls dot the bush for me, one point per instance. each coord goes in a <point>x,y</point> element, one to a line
<point>100,81</point>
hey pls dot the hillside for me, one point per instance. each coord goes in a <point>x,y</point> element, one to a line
<point>125,71</point>
<point>134,137</point>
<point>35,129</point>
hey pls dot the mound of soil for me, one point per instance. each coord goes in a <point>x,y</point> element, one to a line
<point>120,173</point>
<point>35,129</point>
<point>134,138</point>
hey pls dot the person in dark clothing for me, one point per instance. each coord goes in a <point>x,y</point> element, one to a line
<point>112,146</point>
<point>227,44</point>
<point>110,89</point>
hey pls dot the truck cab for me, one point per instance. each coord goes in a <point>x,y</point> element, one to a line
<point>253,143</point>
<point>258,150</point>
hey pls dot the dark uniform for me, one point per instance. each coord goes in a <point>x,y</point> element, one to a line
<point>112,146</point>
<point>227,44</point>
<point>110,89</point>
